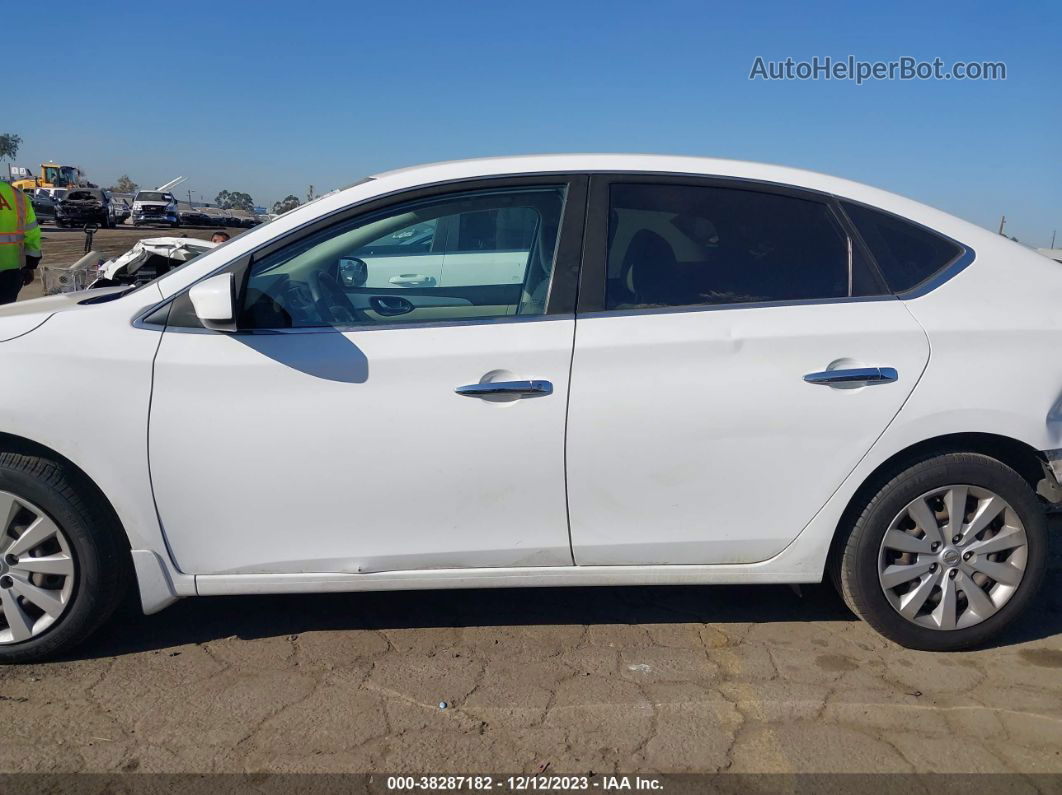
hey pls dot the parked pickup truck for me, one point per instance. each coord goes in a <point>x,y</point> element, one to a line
<point>155,207</point>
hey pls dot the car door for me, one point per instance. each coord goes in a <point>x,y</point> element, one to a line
<point>324,437</point>
<point>735,358</point>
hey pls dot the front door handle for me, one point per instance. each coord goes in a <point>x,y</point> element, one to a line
<point>856,375</point>
<point>516,388</point>
<point>412,280</point>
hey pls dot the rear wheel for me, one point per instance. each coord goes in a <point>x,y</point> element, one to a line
<point>946,554</point>
<point>64,565</point>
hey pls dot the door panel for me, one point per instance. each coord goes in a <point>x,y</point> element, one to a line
<point>351,452</point>
<point>312,441</point>
<point>694,438</point>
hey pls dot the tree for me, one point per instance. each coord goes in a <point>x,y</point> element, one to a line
<point>9,144</point>
<point>124,185</point>
<point>235,200</point>
<point>289,202</point>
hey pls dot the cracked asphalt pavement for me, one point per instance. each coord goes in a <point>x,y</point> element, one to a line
<point>572,680</point>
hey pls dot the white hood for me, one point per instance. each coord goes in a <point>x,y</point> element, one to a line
<point>23,317</point>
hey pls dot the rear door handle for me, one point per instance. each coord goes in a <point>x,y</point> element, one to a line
<point>856,375</point>
<point>506,388</point>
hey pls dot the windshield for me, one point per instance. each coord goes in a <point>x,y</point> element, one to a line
<point>60,175</point>
<point>153,196</point>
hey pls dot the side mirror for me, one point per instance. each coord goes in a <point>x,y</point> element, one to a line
<point>214,301</point>
<point>353,272</point>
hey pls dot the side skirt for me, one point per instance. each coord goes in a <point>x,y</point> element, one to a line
<point>524,577</point>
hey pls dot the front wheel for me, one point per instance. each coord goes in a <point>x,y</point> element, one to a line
<point>946,554</point>
<point>64,564</point>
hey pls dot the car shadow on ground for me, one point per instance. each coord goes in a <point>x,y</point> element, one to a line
<point>249,617</point>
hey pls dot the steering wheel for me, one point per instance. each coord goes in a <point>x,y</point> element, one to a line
<point>332,303</point>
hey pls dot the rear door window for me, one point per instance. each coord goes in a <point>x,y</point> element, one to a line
<point>688,245</point>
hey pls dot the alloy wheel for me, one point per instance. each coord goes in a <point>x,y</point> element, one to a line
<point>37,570</point>
<point>953,557</point>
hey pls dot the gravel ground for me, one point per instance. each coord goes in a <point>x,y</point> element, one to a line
<point>597,679</point>
<point>570,680</point>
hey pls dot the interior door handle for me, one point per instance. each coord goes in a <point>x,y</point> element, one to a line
<point>506,388</point>
<point>412,280</point>
<point>855,375</point>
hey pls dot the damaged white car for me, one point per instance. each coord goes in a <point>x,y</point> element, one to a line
<point>564,370</point>
<point>149,259</point>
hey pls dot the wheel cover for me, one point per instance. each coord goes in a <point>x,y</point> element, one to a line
<point>953,557</point>
<point>37,570</point>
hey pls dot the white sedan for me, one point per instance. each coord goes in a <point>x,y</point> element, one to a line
<point>560,370</point>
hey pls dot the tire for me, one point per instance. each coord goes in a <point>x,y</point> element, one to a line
<point>102,568</point>
<point>862,552</point>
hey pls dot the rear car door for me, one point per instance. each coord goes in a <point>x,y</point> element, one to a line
<point>735,357</point>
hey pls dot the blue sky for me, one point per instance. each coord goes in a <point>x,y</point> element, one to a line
<point>270,97</point>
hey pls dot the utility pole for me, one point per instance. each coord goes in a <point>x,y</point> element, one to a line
<point>1002,223</point>
<point>1053,237</point>
<point>189,199</point>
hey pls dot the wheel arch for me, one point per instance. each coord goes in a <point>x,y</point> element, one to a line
<point>10,443</point>
<point>1019,456</point>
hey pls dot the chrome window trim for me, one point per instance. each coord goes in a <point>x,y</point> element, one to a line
<point>945,274</point>
<point>358,328</point>
<point>691,308</point>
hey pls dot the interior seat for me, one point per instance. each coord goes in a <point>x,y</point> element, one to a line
<point>651,270</point>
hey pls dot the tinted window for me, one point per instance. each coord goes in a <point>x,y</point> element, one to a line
<point>349,274</point>
<point>504,229</point>
<point>679,245</point>
<point>906,253</point>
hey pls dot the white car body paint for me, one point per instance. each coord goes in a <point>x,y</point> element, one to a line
<point>80,384</point>
<point>690,423</point>
<point>78,380</point>
<point>382,439</point>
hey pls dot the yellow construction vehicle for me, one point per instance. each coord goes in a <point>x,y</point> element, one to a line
<point>52,175</point>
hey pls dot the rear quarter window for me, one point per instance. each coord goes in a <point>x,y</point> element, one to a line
<point>907,254</point>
